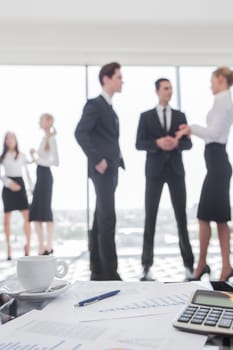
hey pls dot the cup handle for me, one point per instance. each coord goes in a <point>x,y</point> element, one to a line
<point>62,269</point>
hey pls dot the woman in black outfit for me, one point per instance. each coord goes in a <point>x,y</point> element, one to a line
<point>14,193</point>
<point>41,210</point>
<point>214,202</point>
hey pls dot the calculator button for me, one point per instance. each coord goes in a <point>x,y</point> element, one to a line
<point>210,323</point>
<point>229,317</point>
<point>202,312</point>
<point>225,323</point>
<point>213,315</point>
<point>197,321</point>
<point>228,313</point>
<point>186,316</point>
<point>188,312</point>
<point>214,320</point>
<point>204,308</point>
<point>197,315</point>
<point>215,312</point>
<point>183,319</point>
<point>199,318</point>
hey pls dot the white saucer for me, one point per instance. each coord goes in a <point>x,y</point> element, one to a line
<point>13,289</point>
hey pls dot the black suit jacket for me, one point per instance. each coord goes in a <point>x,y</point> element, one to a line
<point>98,133</point>
<point>149,130</point>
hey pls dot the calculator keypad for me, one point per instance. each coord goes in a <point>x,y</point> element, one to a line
<point>207,316</point>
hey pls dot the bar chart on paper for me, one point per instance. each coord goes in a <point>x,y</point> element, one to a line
<point>150,303</point>
<point>137,305</point>
<point>24,346</point>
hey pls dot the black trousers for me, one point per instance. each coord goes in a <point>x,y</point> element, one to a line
<point>103,257</point>
<point>154,186</point>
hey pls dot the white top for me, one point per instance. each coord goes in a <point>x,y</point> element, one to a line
<point>218,120</point>
<point>160,109</point>
<point>48,157</point>
<point>13,167</point>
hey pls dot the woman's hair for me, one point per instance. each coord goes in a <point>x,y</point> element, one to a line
<point>5,148</point>
<point>50,118</point>
<point>225,72</point>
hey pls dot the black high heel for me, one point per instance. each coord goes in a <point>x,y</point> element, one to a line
<point>25,250</point>
<point>229,276</point>
<point>205,270</point>
<point>47,252</point>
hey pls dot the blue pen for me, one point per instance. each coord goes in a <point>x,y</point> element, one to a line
<point>97,298</point>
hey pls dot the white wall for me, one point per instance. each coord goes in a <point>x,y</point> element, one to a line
<point>152,32</point>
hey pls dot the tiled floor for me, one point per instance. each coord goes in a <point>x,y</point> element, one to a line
<point>167,261</point>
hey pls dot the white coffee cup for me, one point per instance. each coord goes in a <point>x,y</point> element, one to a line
<point>36,273</point>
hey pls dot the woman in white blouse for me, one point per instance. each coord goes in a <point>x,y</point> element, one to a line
<point>41,210</point>
<point>214,204</point>
<point>14,193</point>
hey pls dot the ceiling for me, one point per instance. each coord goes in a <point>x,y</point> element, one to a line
<point>177,32</point>
<point>120,10</point>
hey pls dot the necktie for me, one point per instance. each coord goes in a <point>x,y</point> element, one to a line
<point>164,120</point>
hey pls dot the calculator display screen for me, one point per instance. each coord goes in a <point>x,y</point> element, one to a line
<point>213,298</point>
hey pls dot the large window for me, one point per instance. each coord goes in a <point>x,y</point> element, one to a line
<point>28,91</point>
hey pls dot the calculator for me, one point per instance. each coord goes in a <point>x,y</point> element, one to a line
<point>207,312</point>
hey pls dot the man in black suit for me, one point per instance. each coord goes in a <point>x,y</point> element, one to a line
<point>156,135</point>
<point>98,134</point>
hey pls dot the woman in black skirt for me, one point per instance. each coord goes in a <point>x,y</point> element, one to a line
<point>14,193</point>
<point>214,204</point>
<point>41,210</point>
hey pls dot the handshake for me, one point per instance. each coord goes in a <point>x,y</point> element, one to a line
<point>168,143</point>
<point>184,129</point>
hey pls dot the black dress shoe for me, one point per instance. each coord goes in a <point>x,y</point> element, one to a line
<point>146,275</point>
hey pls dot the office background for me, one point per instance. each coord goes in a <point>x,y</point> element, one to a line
<point>50,52</point>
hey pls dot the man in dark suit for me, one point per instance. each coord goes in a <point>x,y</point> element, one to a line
<point>156,135</point>
<point>98,134</point>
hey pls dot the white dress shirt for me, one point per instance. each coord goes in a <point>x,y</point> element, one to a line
<point>218,120</point>
<point>13,167</point>
<point>106,96</point>
<point>48,157</point>
<point>160,109</point>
